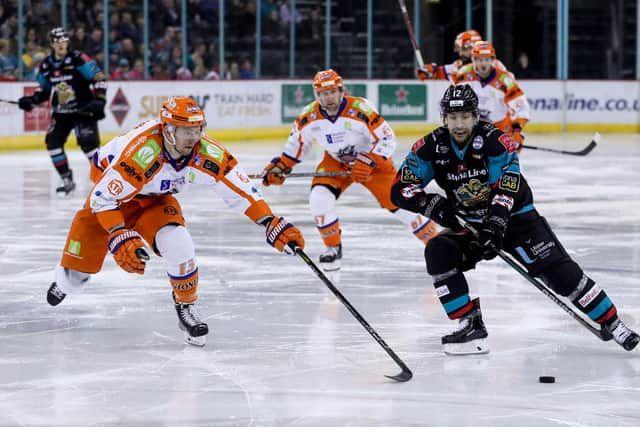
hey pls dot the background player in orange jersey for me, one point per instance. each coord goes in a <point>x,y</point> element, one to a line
<point>356,140</point>
<point>132,206</point>
<point>501,100</point>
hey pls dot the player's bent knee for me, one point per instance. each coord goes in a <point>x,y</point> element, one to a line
<point>441,254</point>
<point>563,277</point>
<point>321,200</point>
<point>175,244</point>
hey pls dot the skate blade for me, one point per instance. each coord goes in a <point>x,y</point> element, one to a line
<point>330,266</point>
<point>479,346</point>
<point>195,341</point>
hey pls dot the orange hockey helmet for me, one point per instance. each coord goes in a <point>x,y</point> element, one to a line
<point>327,80</point>
<point>483,49</point>
<point>181,111</point>
<point>466,39</point>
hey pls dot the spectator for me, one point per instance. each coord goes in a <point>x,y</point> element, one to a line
<point>8,62</point>
<point>137,73</point>
<point>79,40</point>
<point>95,42</point>
<point>31,71</point>
<point>246,70</point>
<point>521,69</point>
<point>121,71</point>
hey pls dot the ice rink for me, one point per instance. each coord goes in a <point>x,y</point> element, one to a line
<point>282,351</point>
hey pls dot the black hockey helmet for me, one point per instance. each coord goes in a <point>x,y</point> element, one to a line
<point>58,34</point>
<point>459,98</point>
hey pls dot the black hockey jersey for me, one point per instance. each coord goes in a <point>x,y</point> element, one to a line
<point>72,82</point>
<point>486,171</point>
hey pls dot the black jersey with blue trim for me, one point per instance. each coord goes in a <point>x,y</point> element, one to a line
<point>71,82</point>
<point>471,176</point>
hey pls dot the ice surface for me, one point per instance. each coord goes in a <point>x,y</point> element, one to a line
<point>282,351</point>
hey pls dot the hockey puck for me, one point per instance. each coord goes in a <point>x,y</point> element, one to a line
<point>547,380</point>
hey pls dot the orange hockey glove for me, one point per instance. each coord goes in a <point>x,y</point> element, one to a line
<point>283,236</point>
<point>517,136</point>
<point>277,169</point>
<point>362,168</point>
<point>427,72</point>
<point>127,248</point>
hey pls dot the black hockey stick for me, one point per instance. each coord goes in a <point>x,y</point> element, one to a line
<point>406,373</point>
<point>304,174</point>
<point>603,334</point>
<point>586,150</point>
<point>412,35</point>
<point>8,101</point>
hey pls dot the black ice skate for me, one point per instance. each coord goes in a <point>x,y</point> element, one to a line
<point>470,337</point>
<point>189,322</point>
<point>67,184</point>
<point>55,294</point>
<point>624,336</point>
<point>330,259</point>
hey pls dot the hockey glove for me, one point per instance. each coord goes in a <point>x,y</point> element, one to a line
<point>127,248</point>
<point>441,210</point>
<point>427,72</point>
<point>276,171</point>
<point>283,236</point>
<point>517,136</point>
<point>490,237</point>
<point>94,109</point>
<point>26,103</point>
<point>363,167</point>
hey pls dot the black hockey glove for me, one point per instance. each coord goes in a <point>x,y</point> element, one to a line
<point>441,210</point>
<point>490,237</point>
<point>95,108</point>
<point>26,103</point>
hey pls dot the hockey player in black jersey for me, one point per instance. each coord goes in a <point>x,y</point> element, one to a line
<point>77,88</point>
<point>477,166</point>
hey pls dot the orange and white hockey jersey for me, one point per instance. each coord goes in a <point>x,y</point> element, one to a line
<point>356,128</point>
<point>136,165</point>
<point>501,101</point>
<point>450,71</point>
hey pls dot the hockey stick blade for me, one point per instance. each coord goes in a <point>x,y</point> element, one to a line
<point>406,373</point>
<point>603,334</point>
<point>586,150</point>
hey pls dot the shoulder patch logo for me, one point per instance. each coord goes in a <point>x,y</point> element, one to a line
<point>147,153</point>
<point>211,150</point>
<point>417,145</point>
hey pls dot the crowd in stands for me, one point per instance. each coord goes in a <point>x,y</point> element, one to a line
<point>85,23</point>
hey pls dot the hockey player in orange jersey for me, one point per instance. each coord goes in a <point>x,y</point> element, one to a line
<point>132,208</point>
<point>462,45</point>
<point>501,100</point>
<point>356,140</point>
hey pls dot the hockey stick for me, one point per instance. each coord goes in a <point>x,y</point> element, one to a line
<point>80,113</point>
<point>603,334</point>
<point>586,150</point>
<point>412,36</point>
<point>305,174</point>
<point>406,373</point>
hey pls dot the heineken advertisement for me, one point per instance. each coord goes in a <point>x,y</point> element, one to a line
<point>296,96</point>
<point>403,102</point>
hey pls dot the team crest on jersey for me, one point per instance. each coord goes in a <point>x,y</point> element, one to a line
<point>473,193</point>
<point>478,142</point>
<point>147,153</point>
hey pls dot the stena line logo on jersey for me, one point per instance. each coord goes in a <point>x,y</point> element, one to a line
<point>146,153</point>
